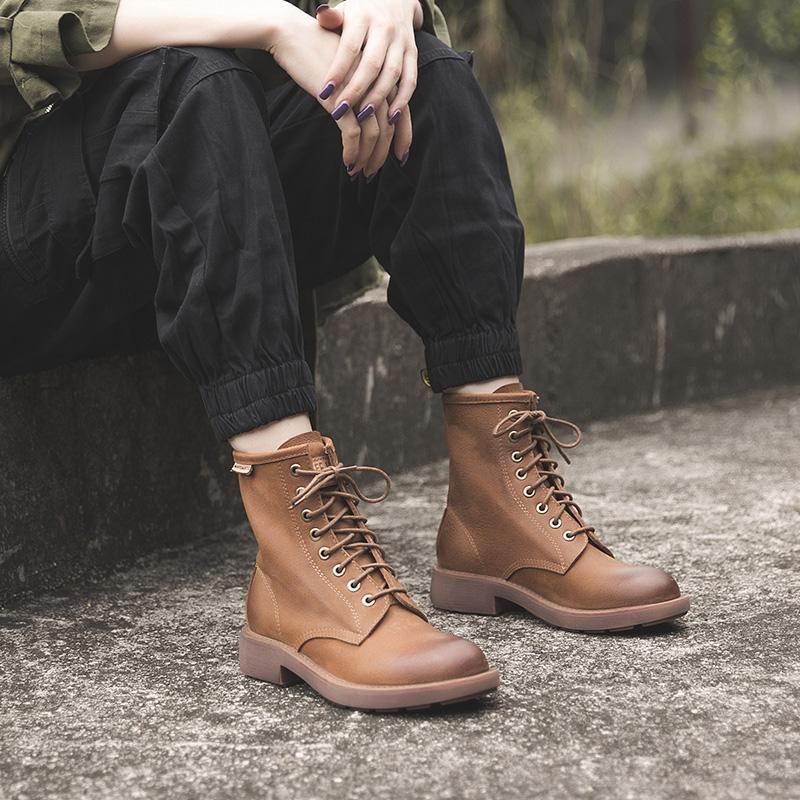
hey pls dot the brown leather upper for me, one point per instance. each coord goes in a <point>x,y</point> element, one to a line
<point>509,515</point>
<point>302,506</point>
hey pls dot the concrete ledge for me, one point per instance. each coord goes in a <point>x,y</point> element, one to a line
<point>105,460</point>
<point>609,326</point>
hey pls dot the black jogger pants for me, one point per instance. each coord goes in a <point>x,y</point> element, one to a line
<point>173,198</point>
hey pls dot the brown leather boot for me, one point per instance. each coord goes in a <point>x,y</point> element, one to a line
<point>323,606</point>
<point>511,532</point>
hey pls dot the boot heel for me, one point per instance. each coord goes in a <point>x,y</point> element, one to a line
<point>451,591</point>
<point>258,660</point>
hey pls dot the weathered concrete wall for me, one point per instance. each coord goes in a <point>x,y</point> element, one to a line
<point>105,460</point>
<point>100,462</point>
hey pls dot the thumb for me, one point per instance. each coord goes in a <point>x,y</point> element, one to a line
<point>330,18</point>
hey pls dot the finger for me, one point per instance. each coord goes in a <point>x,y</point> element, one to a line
<point>403,136</point>
<point>346,54</point>
<point>330,18</point>
<point>408,82</point>
<point>370,133</point>
<point>368,69</point>
<point>351,142</point>
<point>381,150</point>
<point>386,83</point>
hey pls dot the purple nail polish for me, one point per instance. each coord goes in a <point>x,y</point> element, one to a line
<point>404,158</point>
<point>340,110</point>
<point>327,90</point>
<point>349,167</point>
<point>394,117</point>
<point>321,7</point>
<point>365,113</point>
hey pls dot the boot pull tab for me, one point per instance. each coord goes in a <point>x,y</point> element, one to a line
<point>242,469</point>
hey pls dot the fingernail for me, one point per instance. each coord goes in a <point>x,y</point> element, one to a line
<point>404,158</point>
<point>371,177</point>
<point>349,167</point>
<point>365,113</point>
<point>355,177</point>
<point>394,117</point>
<point>340,110</point>
<point>327,91</point>
<point>321,7</point>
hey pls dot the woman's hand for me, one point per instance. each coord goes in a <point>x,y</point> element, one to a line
<point>305,50</point>
<point>377,53</point>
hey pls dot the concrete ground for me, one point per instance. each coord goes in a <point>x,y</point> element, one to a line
<point>129,688</point>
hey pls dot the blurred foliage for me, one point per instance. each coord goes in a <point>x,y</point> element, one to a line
<point>732,190</point>
<point>552,69</point>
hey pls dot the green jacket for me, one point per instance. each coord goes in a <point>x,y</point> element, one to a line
<point>37,35</point>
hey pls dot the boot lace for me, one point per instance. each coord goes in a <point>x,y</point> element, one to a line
<point>537,424</point>
<point>334,483</point>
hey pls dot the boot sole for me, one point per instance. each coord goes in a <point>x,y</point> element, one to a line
<point>466,593</point>
<point>272,661</point>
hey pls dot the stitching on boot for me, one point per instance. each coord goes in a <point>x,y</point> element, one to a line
<point>532,562</point>
<point>340,634</point>
<point>469,538</point>
<point>268,585</point>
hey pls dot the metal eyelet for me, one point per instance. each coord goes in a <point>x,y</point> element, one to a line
<point>324,553</point>
<point>353,585</point>
<point>516,456</point>
<point>521,474</point>
<point>306,515</point>
<point>338,570</point>
<point>568,535</point>
<point>555,523</point>
<point>513,436</point>
<point>529,491</point>
<point>542,508</point>
<point>368,600</point>
<point>315,534</point>
<point>293,469</point>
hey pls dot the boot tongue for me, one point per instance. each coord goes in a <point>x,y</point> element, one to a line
<point>518,388</point>
<point>323,454</point>
<point>302,438</point>
<point>320,449</point>
<point>510,388</point>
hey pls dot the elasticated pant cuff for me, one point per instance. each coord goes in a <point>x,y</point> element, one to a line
<point>477,356</point>
<point>257,398</point>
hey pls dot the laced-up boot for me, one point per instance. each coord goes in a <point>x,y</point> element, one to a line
<point>324,606</point>
<point>511,532</point>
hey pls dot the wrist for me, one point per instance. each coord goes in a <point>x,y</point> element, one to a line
<point>279,18</point>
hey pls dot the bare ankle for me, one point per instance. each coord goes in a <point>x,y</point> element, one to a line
<point>271,436</point>
<point>483,387</point>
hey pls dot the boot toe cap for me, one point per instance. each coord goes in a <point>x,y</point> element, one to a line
<point>441,658</point>
<point>451,657</point>
<point>645,585</point>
